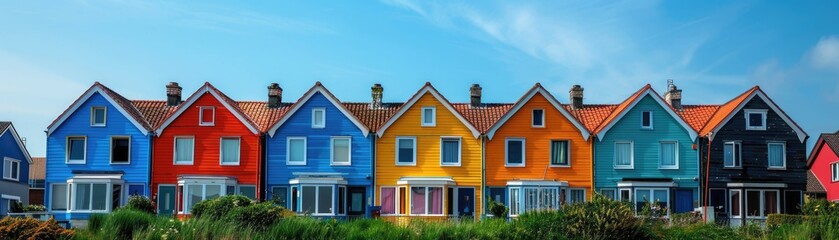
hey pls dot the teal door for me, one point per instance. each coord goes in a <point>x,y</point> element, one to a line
<point>166,200</point>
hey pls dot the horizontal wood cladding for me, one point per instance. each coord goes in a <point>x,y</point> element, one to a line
<point>428,150</point>
<point>821,168</point>
<point>537,148</point>
<point>755,161</point>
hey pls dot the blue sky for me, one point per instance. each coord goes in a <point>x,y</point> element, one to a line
<point>51,51</point>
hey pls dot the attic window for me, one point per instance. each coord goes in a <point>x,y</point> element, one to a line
<point>429,116</point>
<point>538,118</point>
<point>318,118</point>
<point>834,172</point>
<point>755,119</point>
<point>646,120</point>
<point>206,116</point>
<point>97,116</point>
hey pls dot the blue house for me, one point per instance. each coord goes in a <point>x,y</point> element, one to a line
<point>14,186</point>
<point>319,158</point>
<point>645,151</point>
<point>98,155</point>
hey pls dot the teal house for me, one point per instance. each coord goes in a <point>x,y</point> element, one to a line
<point>644,151</point>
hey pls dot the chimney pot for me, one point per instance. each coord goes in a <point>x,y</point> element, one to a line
<point>475,95</point>
<point>275,95</point>
<point>173,94</point>
<point>376,93</point>
<point>673,96</point>
<point>576,97</point>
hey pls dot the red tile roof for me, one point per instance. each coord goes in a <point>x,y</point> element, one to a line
<point>373,118</point>
<point>153,111</point>
<point>591,115</point>
<point>724,110</point>
<point>484,116</point>
<point>697,115</point>
<point>261,114</point>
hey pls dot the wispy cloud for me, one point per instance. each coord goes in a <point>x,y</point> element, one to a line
<point>825,55</point>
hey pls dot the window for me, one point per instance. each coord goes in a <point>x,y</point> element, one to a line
<point>834,172</point>
<point>318,118</point>
<point>230,147</point>
<point>732,153</point>
<point>406,151</point>
<point>296,151</point>
<point>341,151</point>
<point>515,201</point>
<point>98,116</point>
<point>342,199</point>
<point>735,203</point>
<point>280,196</point>
<point>538,118</point>
<point>652,195</point>
<point>755,119</point>
<point>625,195</point>
<point>295,198</point>
<point>90,196</point>
<point>247,191</point>
<point>76,150</point>
<point>576,196</point>
<point>608,193</point>
<point>393,200</point>
<point>777,155</point>
<point>317,200</point>
<point>760,203</point>
<point>200,192</point>
<point>450,151</point>
<point>668,155</point>
<point>541,198</point>
<point>120,150</point>
<point>206,116</point>
<point>646,120</point>
<point>58,197</point>
<point>515,152</point>
<point>184,150</point>
<point>429,116</point>
<point>624,155</point>
<point>560,153</point>
<point>792,201</point>
<point>11,169</point>
<point>426,200</point>
<point>36,183</point>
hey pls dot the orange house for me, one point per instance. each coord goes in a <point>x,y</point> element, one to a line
<point>538,155</point>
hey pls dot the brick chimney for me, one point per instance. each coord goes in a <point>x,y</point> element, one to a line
<point>275,95</point>
<point>576,97</point>
<point>173,94</point>
<point>376,92</point>
<point>475,95</point>
<point>673,96</point>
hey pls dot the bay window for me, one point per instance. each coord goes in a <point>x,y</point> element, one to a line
<point>761,203</point>
<point>658,198</point>
<point>426,200</point>
<point>317,199</point>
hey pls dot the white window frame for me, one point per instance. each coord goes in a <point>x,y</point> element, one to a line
<point>9,198</point>
<point>288,151</point>
<point>661,156</point>
<point>201,121</point>
<point>550,151</point>
<point>763,202</point>
<point>414,141</point>
<point>433,122</point>
<point>317,198</point>
<point>507,150</point>
<point>834,172</point>
<point>67,151</point>
<point>739,203</point>
<point>738,150</point>
<point>619,195</point>
<point>73,192</point>
<point>652,197</point>
<point>185,198</point>
<point>238,151</point>
<point>443,192</point>
<point>16,170</point>
<point>175,151</point>
<point>532,112</point>
<point>459,151</point>
<point>396,200</point>
<point>66,197</point>
<point>783,157</point>
<point>762,112</point>
<point>332,151</point>
<point>314,118</point>
<point>111,150</point>
<point>514,210</point>
<point>569,194</point>
<point>93,122</point>
<point>650,127</point>
<point>631,155</point>
<point>540,204</point>
<point>612,196</point>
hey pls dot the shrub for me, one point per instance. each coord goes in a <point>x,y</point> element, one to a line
<point>816,207</point>
<point>684,219</point>
<point>497,209</point>
<point>541,225</point>
<point>775,220</point>
<point>123,223</point>
<point>30,228</point>
<point>95,222</point>
<point>697,231</point>
<point>603,218</point>
<point>218,207</point>
<point>140,203</point>
<point>257,216</point>
<point>34,208</point>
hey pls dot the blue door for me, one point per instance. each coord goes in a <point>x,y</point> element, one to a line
<point>466,202</point>
<point>166,200</point>
<point>684,201</point>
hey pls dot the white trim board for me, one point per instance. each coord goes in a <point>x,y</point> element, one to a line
<point>525,99</point>
<point>427,89</point>
<point>649,92</point>
<point>194,97</point>
<point>758,92</point>
<point>319,88</point>
<point>19,142</point>
<point>89,93</point>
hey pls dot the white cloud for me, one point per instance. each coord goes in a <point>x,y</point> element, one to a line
<point>825,55</point>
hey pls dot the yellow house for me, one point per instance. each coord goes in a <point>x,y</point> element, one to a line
<point>428,161</point>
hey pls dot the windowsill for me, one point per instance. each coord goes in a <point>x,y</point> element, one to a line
<point>624,168</point>
<point>543,126</point>
<point>406,164</point>
<point>647,129</point>
<point>560,166</point>
<point>12,179</point>
<point>229,164</point>
<point>776,168</point>
<point>318,127</point>
<point>341,164</point>
<point>206,124</point>
<point>295,164</point>
<point>755,129</point>
<point>75,163</point>
<point>184,164</point>
<point>117,163</point>
<point>450,165</point>
<point>514,166</point>
<point>98,126</point>
<point>428,125</point>
<point>668,168</point>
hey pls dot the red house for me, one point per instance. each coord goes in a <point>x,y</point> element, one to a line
<point>823,163</point>
<point>206,147</point>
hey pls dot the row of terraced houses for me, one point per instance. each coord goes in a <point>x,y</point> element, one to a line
<point>425,157</point>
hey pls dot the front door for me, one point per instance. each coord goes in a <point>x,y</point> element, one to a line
<point>166,200</point>
<point>466,202</point>
<point>357,201</point>
<point>684,201</point>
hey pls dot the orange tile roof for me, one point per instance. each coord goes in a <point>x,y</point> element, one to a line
<point>154,111</point>
<point>485,116</point>
<point>724,110</point>
<point>591,115</point>
<point>373,118</point>
<point>261,114</point>
<point>37,168</point>
<point>697,115</point>
<point>620,108</point>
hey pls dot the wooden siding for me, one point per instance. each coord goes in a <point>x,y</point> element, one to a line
<point>821,168</point>
<point>428,151</point>
<point>537,149</point>
<point>646,149</point>
<point>207,144</point>
<point>10,148</point>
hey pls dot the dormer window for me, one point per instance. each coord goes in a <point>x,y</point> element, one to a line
<point>538,118</point>
<point>646,120</point>
<point>319,118</point>
<point>755,119</point>
<point>206,116</point>
<point>429,116</point>
<point>97,116</point>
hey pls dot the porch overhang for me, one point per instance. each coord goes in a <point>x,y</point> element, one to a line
<point>756,185</point>
<point>667,184</point>
<point>206,179</point>
<point>549,183</point>
<point>426,181</point>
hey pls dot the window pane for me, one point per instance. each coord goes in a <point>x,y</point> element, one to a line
<point>308,200</point>
<point>770,200</point>
<point>248,191</point>
<point>83,197</point>
<point>7,169</point>
<point>212,192</point>
<point>578,195</point>
<point>435,200</point>
<point>297,149</point>
<point>207,115</point>
<point>183,150</point>
<point>318,115</point>
<point>735,203</point>
<point>418,199</point>
<point>776,155</point>
<point>324,199</point>
<point>195,194</point>
<point>755,120</point>
<point>753,203</point>
<point>514,151</point>
<point>59,197</point>
<point>357,201</point>
<point>646,119</point>
<point>119,150</point>
<point>342,199</point>
<point>280,196</point>
<point>77,146</point>
<point>623,154</point>
<point>100,196</point>
<point>537,117</point>
<point>341,150</point>
<point>668,154</point>
<point>514,201</point>
<point>608,193</point>
<point>388,200</point>
<point>229,150</point>
<point>642,196</point>
<point>559,153</point>
<point>661,197</point>
<point>406,150</point>
<point>427,115</point>
<point>451,151</point>
<point>728,154</point>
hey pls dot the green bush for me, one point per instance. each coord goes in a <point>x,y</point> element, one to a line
<point>776,220</point>
<point>34,208</point>
<point>816,207</point>
<point>684,219</point>
<point>603,218</point>
<point>140,203</point>
<point>541,225</point>
<point>218,207</point>
<point>497,209</point>
<point>696,231</point>
<point>257,216</point>
<point>123,223</point>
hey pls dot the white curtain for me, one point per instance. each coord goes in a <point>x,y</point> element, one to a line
<point>776,155</point>
<point>623,154</point>
<point>668,154</point>
<point>341,150</point>
<point>297,148</point>
<point>230,150</point>
<point>451,151</point>
<point>183,148</point>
